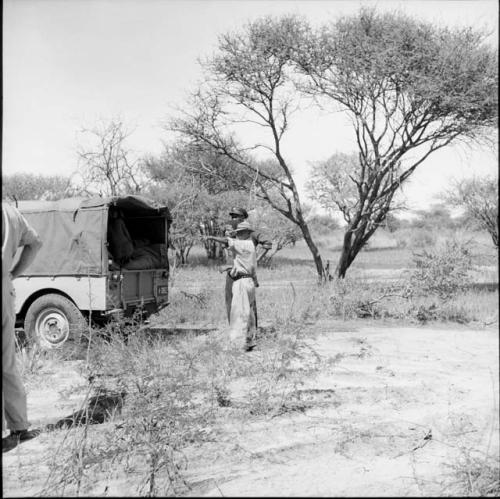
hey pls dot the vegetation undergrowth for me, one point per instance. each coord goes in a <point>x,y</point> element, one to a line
<point>449,281</point>
<point>173,393</point>
<point>475,470</point>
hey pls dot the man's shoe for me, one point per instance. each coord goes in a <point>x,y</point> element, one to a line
<point>8,443</point>
<point>23,435</point>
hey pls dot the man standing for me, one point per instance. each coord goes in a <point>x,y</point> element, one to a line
<point>240,310</point>
<point>16,233</point>
<point>262,245</point>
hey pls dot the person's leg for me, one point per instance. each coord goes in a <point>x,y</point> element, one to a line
<point>242,323</point>
<point>14,395</point>
<point>254,311</point>
<point>240,309</point>
<point>252,316</point>
<point>229,295</point>
<point>254,304</point>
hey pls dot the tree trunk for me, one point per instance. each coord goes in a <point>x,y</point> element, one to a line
<point>181,255</point>
<point>344,262</point>
<point>322,275</point>
<point>350,248</point>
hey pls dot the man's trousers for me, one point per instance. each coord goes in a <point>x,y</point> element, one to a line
<point>14,408</point>
<point>242,326</point>
<point>229,299</point>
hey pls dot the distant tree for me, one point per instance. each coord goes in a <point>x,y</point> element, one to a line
<point>333,184</point>
<point>198,207</point>
<point>225,184</point>
<point>322,224</point>
<point>410,89</point>
<point>392,223</point>
<point>169,185</point>
<point>187,205</point>
<point>249,83</point>
<point>479,197</point>
<point>28,186</point>
<point>107,166</point>
<point>437,216</point>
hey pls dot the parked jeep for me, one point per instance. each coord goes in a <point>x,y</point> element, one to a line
<point>101,257</point>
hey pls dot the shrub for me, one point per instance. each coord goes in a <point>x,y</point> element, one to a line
<point>443,271</point>
<point>351,299</point>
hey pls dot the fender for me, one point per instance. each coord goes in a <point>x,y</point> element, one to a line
<point>88,293</point>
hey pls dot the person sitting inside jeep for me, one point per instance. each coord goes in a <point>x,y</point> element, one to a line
<point>127,253</point>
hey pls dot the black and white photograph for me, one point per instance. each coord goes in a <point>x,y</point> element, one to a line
<point>250,248</point>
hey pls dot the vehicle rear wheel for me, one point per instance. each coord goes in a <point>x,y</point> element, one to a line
<point>53,322</point>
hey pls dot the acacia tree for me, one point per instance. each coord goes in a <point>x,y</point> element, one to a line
<point>249,84</point>
<point>479,197</point>
<point>410,89</point>
<point>108,167</point>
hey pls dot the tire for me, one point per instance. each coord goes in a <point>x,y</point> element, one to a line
<point>54,322</point>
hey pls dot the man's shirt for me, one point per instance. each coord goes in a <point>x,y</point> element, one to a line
<point>258,238</point>
<point>244,256</point>
<point>16,232</point>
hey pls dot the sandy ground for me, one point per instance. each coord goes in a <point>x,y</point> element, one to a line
<point>391,412</point>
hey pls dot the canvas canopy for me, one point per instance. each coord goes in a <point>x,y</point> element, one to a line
<point>74,231</point>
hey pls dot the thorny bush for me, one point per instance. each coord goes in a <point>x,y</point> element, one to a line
<point>442,271</point>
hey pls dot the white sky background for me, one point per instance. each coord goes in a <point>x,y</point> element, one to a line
<point>67,64</point>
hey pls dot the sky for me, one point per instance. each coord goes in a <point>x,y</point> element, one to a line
<point>69,63</point>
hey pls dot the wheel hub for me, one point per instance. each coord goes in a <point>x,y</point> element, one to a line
<point>53,328</point>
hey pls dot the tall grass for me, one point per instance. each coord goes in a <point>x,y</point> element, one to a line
<point>375,284</point>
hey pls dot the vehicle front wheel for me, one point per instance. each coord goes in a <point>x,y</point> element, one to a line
<point>54,322</point>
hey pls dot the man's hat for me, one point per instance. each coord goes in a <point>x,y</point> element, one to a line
<point>244,226</point>
<point>240,212</point>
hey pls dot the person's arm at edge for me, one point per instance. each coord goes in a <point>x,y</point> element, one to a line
<point>221,240</point>
<point>28,254</point>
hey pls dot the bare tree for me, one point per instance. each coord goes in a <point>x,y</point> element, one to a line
<point>249,84</point>
<point>108,167</point>
<point>479,197</point>
<point>410,89</point>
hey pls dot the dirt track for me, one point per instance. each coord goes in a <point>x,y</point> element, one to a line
<point>393,409</point>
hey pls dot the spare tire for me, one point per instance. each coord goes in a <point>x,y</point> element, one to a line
<point>54,322</point>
